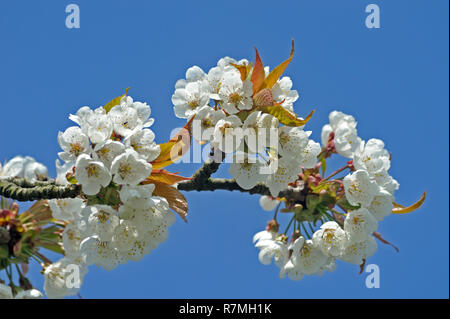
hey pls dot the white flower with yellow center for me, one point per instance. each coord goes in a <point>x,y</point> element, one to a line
<point>308,155</point>
<point>71,239</point>
<point>74,143</point>
<point>128,168</point>
<point>59,274</point>
<point>260,130</point>
<point>309,259</point>
<point>228,134</point>
<point>382,204</point>
<point>66,208</point>
<point>273,249</point>
<point>125,235</point>
<point>101,221</point>
<point>99,127</point>
<point>292,140</point>
<point>235,94</point>
<point>330,238</point>
<point>359,188</point>
<point>284,171</point>
<point>355,252</point>
<point>187,100</point>
<point>207,117</point>
<point>91,175</point>
<point>247,170</point>
<point>100,253</point>
<point>359,224</point>
<point>107,152</point>
<point>372,157</point>
<point>124,118</point>
<point>142,141</point>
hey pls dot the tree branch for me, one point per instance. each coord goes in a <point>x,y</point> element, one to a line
<point>23,190</point>
<point>202,181</point>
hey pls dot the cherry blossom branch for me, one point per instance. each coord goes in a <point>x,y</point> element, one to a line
<point>202,181</point>
<point>23,190</point>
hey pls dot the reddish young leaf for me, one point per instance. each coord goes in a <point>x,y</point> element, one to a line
<point>258,74</point>
<point>166,177</point>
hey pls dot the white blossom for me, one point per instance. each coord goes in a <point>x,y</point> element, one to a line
<point>382,204</point>
<point>235,94</point>
<point>189,99</point>
<point>227,134</point>
<point>330,238</point>
<point>99,127</point>
<point>66,208</point>
<point>292,140</point>
<point>247,170</point>
<point>142,141</point>
<point>107,152</point>
<point>125,119</point>
<point>91,174</point>
<point>58,274</point>
<point>355,252</point>
<point>359,188</point>
<point>309,259</point>
<point>128,168</point>
<point>359,224</point>
<point>74,143</point>
<point>308,155</point>
<point>285,171</point>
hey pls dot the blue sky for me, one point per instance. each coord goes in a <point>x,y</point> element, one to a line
<point>394,80</point>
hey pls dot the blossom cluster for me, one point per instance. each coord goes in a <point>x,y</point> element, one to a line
<point>6,293</point>
<point>228,105</point>
<point>368,191</point>
<point>24,167</point>
<point>117,218</point>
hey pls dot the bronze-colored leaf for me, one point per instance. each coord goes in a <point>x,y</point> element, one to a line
<point>175,148</point>
<point>276,73</point>
<point>166,177</point>
<point>176,200</point>
<point>258,73</point>
<point>399,209</point>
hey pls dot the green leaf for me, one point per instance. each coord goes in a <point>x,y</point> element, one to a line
<point>323,165</point>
